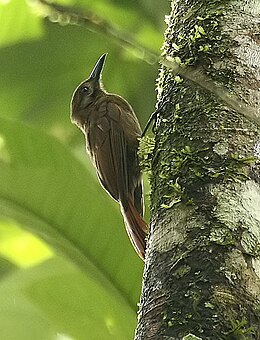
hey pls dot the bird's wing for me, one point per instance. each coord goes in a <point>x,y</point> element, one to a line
<point>107,144</point>
<point>117,166</point>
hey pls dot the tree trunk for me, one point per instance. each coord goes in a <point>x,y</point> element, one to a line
<point>202,271</point>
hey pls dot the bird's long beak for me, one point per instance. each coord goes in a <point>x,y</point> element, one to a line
<point>97,70</point>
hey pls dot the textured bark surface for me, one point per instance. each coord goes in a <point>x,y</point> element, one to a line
<point>202,271</point>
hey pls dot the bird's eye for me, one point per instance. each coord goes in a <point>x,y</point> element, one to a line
<point>85,90</point>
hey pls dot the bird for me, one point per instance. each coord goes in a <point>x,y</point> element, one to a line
<point>112,134</point>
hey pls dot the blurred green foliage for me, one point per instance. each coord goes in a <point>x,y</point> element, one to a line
<point>67,269</point>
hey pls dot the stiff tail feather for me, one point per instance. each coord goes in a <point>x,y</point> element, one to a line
<point>136,227</point>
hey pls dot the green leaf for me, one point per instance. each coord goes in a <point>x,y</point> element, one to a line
<point>44,188</point>
<point>6,267</point>
<point>21,247</point>
<point>56,298</point>
<point>19,320</point>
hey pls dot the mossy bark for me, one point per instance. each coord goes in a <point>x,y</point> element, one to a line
<point>202,270</point>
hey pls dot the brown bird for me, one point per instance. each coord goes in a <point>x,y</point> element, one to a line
<point>111,131</point>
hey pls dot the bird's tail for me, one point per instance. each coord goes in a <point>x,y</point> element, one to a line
<point>136,227</point>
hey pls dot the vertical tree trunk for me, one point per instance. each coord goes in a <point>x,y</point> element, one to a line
<point>202,271</point>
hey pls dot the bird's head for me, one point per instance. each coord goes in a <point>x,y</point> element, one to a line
<point>87,92</point>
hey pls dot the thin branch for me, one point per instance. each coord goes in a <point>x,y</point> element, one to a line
<point>93,22</point>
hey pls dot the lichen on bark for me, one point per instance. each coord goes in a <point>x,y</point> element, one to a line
<point>202,263</point>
